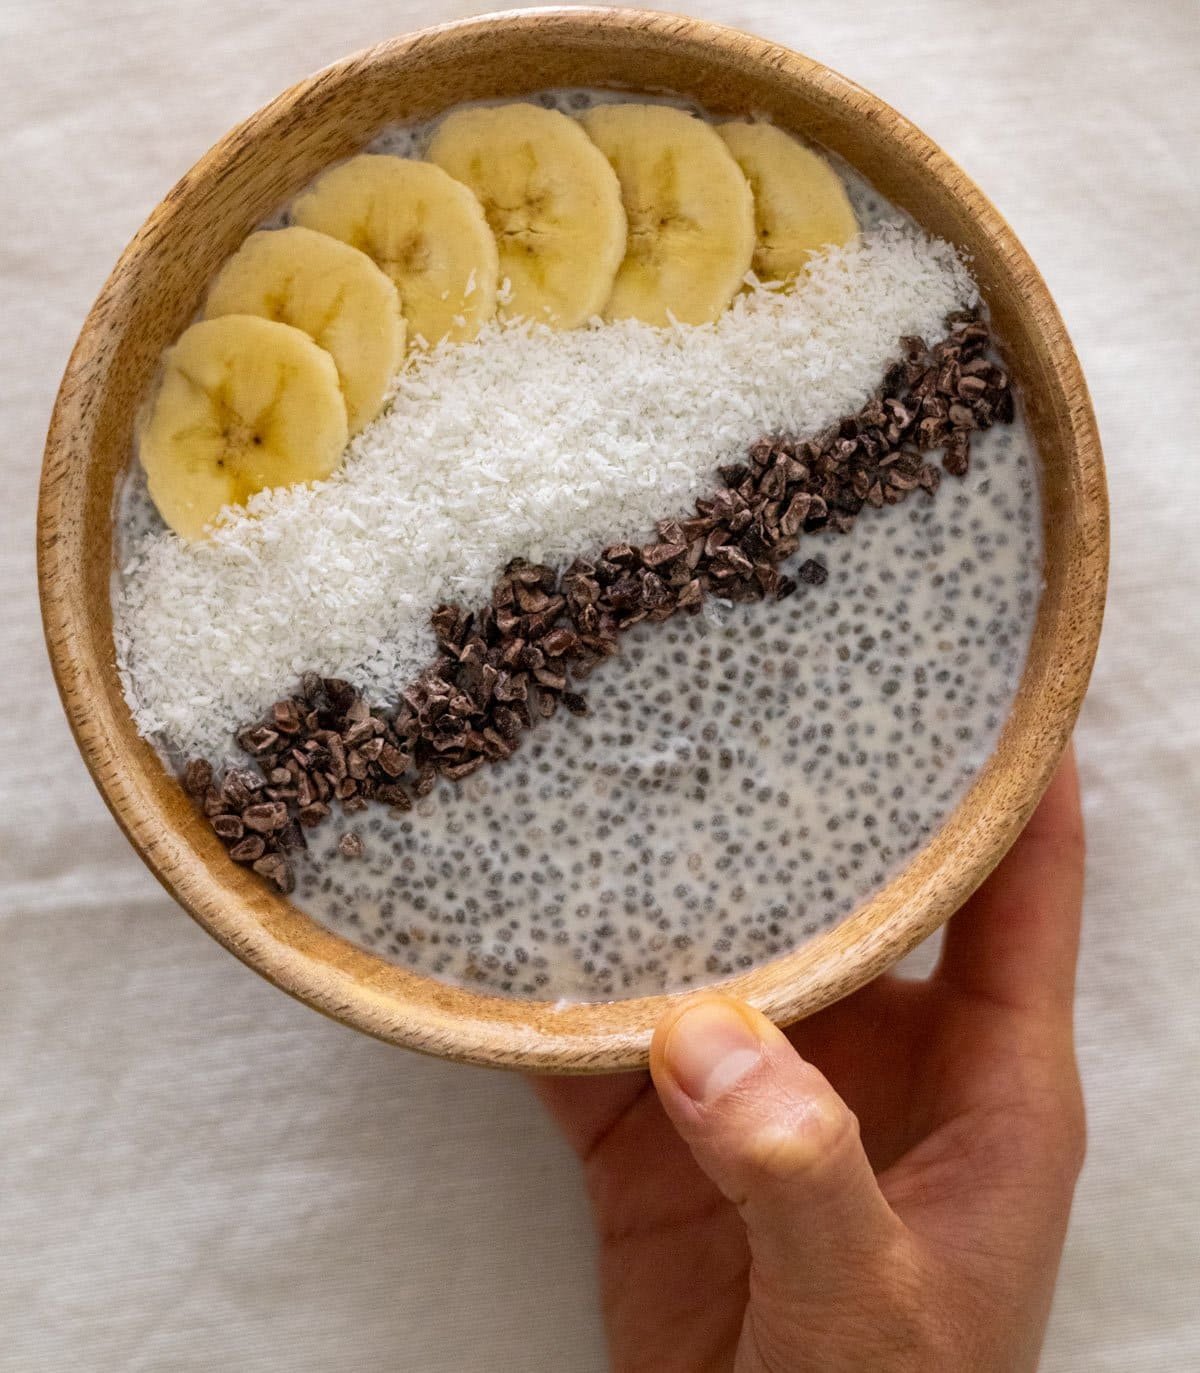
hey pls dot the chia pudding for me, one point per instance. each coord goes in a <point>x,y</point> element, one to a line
<point>808,641</point>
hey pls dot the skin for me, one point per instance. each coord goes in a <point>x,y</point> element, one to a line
<point>886,1187</point>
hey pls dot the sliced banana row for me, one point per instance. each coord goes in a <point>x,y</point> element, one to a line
<point>691,215</point>
<point>420,226</point>
<point>633,212</point>
<point>800,204</point>
<point>335,295</point>
<point>244,403</point>
<point>552,201</point>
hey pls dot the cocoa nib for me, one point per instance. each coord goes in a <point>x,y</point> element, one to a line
<point>512,661</point>
<point>278,870</point>
<point>197,777</point>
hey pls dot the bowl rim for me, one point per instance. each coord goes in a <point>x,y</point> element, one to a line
<point>332,976</point>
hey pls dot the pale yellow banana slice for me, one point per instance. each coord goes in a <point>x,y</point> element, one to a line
<point>244,403</point>
<point>800,204</point>
<point>690,212</point>
<point>553,203</point>
<point>332,292</point>
<point>423,228</point>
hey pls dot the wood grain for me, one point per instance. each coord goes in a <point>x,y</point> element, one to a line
<point>157,286</point>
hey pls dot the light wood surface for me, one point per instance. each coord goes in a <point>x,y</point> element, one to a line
<point>155,289</point>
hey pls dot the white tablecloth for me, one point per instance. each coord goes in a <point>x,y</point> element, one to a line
<point>197,1173</point>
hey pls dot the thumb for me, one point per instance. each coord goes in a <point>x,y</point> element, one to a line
<point>780,1144</point>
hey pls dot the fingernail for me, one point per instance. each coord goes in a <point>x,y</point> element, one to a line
<point>710,1048</point>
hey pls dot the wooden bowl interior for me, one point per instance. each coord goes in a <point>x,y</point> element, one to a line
<point>157,287</point>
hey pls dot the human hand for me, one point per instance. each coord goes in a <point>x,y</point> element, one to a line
<point>884,1188</point>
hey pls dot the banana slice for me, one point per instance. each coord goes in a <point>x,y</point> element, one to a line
<point>691,215</point>
<point>332,292</point>
<point>553,203</point>
<point>423,228</point>
<point>244,403</point>
<point>800,204</point>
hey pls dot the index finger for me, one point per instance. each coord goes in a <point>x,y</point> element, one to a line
<point>1016,941</point>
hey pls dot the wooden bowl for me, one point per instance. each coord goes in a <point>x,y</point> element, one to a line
<point>156,288</point>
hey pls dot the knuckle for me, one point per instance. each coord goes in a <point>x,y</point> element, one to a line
<point>1072,1142</point>
<point>1045,1135</point>
<point>1066,843</point>
<point>1059,1123</point>
<point>1072,841</point>
<point>810,1141</point>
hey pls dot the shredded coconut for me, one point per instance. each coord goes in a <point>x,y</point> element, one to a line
<point>525,442</point>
